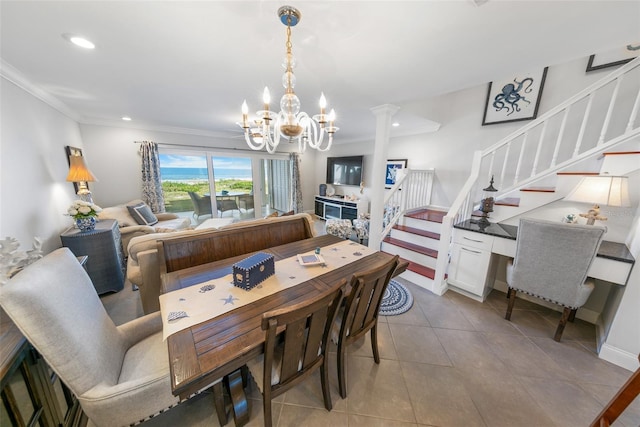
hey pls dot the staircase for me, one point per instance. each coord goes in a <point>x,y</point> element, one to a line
<point>534,166</point>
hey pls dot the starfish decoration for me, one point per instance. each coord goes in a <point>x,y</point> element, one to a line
<point>335,249</point>
<point>228,300</point>
<point>357,253</point>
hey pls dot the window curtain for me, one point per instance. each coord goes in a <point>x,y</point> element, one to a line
<point>151,181</point>
<point>296,187</point>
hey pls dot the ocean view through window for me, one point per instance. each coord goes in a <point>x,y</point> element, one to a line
<point>188,186</point>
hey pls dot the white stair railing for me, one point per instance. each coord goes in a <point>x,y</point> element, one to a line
<point>411,190</point>
<point>595,120</point>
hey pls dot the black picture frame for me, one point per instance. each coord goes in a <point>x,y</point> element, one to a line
<point>390,171</point>
<point>613,58</point>
<point>506,101</point>
<point>74,151</point>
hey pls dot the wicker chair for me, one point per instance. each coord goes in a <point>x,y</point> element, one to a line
<point>201,205</point>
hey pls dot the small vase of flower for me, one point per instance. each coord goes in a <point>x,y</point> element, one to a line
<point>84,214</point>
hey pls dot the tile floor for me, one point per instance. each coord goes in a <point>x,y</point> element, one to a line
<point>449,361</point>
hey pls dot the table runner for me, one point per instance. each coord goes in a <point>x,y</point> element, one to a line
<point>213,298</point>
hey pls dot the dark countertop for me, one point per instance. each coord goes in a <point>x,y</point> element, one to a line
<point>610,250</point>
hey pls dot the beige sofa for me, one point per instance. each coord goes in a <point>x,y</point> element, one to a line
<point>129,228</point>
<point>143,266</point>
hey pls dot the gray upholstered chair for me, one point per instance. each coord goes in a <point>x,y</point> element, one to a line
<point>299,350</point>
<point>120,374</point>
<point>551,263</point>
<point>201,204</point>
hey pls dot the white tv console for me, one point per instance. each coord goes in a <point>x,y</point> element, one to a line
<point>338,208</point>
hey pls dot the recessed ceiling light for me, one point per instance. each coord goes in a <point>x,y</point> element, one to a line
<point>78,40</point>
<point>126,118</point>
<point>395,124</point>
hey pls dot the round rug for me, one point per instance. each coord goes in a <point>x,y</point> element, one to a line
<point>396,299</point>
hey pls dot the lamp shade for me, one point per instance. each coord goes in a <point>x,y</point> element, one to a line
<point>603,190</point>
<point>78,171</point>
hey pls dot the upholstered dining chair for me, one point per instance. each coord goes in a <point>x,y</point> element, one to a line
<point>201,204</point>
<point>360,314</point>
<point>120,374</point>
<point>551,263</point>
<point>301,349</point>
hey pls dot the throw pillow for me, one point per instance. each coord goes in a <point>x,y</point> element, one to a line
<point>273,214</point>
<point>288,213</point>
<point>142,214</point>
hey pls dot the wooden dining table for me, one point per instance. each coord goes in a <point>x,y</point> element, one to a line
<point>204,353</point>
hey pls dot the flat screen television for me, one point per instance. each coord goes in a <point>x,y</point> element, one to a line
<point>344,170</point>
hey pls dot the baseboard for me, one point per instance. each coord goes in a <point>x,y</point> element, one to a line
<point>619,357</point>
<point>585,314</point>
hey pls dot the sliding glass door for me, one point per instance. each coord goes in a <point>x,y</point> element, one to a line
<point>206,185</point>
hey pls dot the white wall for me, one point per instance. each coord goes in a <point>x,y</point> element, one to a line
<point>113,157</point>
<point>33,168</point>
<point>450,150</point>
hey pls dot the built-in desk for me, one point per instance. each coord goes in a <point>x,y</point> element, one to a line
<point>475,243</point>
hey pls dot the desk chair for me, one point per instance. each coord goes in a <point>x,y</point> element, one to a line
<point>360,313</point>
<point>201,204</point>
<point>289,358</point>
<point>120,374</point>
<point>551,263</point>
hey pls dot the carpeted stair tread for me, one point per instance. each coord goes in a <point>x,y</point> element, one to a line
<point>427,215</point>
<point>539,189</point>
<point>412,247</point>
<point>508,201</point>
<point>417,231</point>
<point>578,173</point>
<point>421,270</point>
<point>618,153</point>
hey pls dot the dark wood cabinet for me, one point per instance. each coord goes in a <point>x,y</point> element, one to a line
<point>32,394</point>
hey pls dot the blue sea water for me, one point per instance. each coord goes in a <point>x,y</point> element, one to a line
<point>201,174</point>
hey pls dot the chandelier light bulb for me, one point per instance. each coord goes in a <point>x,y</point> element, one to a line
<point>266,96</point>
<point>245,107</point>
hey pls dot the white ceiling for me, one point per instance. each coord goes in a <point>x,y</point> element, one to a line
<point>187,66</point>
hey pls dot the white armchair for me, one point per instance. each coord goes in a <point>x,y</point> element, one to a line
<point>120,374</point>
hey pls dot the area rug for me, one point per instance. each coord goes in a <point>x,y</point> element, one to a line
<point>396,299</point>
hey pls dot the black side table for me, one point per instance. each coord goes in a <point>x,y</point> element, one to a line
<point>103,246</point>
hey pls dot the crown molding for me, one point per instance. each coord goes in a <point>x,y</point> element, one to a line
<point>10,73</point>
<point>156,128</point>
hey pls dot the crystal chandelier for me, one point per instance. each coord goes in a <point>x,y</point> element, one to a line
<point>290,122</point>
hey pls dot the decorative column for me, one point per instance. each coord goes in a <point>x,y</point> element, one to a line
<point>383,115</point>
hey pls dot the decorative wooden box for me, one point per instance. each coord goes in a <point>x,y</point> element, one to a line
<point>253,270</point>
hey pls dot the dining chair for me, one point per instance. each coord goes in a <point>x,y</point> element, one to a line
<point>293,355</point>
<point>360,313</point>
<point>551,263</point>
<point>226,203</point>
<point>201,204</point>
<point>120,374</point>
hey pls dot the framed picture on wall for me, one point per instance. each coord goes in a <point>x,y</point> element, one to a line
<point>73,151</point>
<point>515,98</point>
<point>393,166</point>
<point>614,57</point>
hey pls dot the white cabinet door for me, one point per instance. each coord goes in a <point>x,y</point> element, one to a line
<point>469,267</point>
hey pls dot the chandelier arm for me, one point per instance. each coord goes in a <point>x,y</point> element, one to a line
<point>252,143</point>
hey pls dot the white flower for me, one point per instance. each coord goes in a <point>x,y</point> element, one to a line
<point>82,209</point>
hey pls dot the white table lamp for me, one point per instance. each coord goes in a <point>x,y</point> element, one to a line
<point>601,190</point>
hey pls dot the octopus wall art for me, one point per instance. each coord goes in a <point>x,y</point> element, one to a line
<point>514,99</point>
